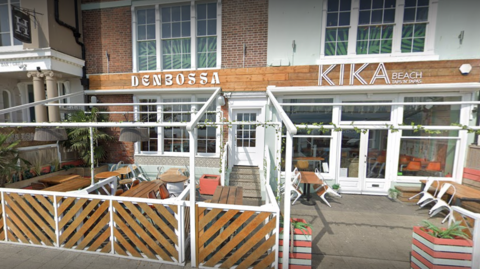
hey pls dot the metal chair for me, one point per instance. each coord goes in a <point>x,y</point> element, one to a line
<point>441,204</point>
<point>427,197</point>
<point>323,189</point>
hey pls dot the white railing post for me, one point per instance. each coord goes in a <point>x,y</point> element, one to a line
<point>4,215</point>
<point>193,242</point>
<point>287,200</point>
<point>111,224</point>
<point>55,215</point>
<point>181,233</point>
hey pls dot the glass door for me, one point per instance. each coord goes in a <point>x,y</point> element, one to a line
<point>245,138</point>
<point>363,161</point>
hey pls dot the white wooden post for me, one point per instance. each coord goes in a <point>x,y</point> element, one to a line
<point>91,157</point>
<point>287,200</point>
<point>193,213</point>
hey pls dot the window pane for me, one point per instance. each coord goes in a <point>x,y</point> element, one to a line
<point>176,29</point>
<point>345,5</point>
<point>366,113</point>
<point>329,49</point>
<point>377,4</point>
<point>427,157</point>
<point>309,114</point>
<point>389,16</point>
<point>410,3</point>
<point>333,5</point>
<point>342,34</point>
<point>422,14</point>
<point>185,13</point>
<point>407,31</point>
<point>185,29</point>
<point>364,17</point>
<point>141,33</point>
<point>374,47</point>
<point>150,16</point>
<point>166,31</point>
<point>212,27</point>
<point>342,48</point>
<point>423,2</point>
<point>332,19</point>
<point>389,3</point>
<point>362,47</point>
<point>331,35</point>
<point>409,15</point>
<point>365,4</point>
<point>420,30</point>
<point>431,114</point>
<point>166,15</point>
<point>407,45</point>
<point>418,45</point>
<point>176,14</point>
<point>386,46</point>
<point>344,19</point>
<point>212,11</point>
<point>201,28</point>
<point>150,31</point>
<point>201,11</point>
<point>141,16</point>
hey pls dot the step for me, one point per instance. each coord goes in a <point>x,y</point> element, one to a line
<point>245,170</point>
<point>252,193</point>
<point>245,185</point>
<point>244,176</point>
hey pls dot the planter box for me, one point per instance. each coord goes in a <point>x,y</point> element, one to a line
<point>433,253</point>
<point>208,184</point>
<point>301,256</point>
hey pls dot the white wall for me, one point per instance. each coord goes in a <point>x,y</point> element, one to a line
<point>302,21</point>
<point>453,17</point>
<point>299,20</point>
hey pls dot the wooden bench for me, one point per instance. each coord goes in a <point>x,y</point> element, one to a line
<point>407,192</point>
<point>471,178</point>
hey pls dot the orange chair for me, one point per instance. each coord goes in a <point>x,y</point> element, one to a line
<point>302,165</point>
<point>379,161</point>
<point>118,192</point>
<point>413,166</point>
<point>404,160</point>
<point>434,167</point>
<point>423,161</point>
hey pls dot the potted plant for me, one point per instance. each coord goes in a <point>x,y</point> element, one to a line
<point>9,159</point>
<point>393,193</point>
<point>434,246</point>
<point>300,242</point>
<point>336,187</point>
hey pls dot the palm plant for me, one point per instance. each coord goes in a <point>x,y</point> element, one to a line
<point>79,138</point>
<point>10,162</point>
<point>453,231</point>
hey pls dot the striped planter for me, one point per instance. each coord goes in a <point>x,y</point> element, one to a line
<point>301,256</point>
<point>432,253</point>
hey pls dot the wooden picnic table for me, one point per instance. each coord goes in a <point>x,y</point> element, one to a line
<point>228,195</point>
<point>143,189</point>
<point>462,193</point>
<point>107,174</point>
<point>70,185</point>
<point>308,178</point>
<point>125,170</point>
<point>54,180</point>
<point>173,171</point>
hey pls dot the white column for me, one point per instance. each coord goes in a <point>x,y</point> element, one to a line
<point>38,95</point>
<point>287,199</point>
<point>52,91</point>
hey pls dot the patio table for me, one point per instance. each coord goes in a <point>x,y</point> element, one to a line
<point>125,170</point>
<point>54,180</point>
<point>308,178</point>
<point>463,193</point>
<point>70,185</point>
<point>143,189</point>
<point>317,160</point>
<point>173,171</point>
<point>107,174</point>
<point>228,195</point>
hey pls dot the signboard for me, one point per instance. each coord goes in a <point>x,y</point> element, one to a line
<point>354,73</point>
<point>179,80</point>
<point>22,30</point>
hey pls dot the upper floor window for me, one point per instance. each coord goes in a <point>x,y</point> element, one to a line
<point>166,36</point>
<point>392,27</point>
<point>6,33</point>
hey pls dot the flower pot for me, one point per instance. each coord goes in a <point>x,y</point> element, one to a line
<point>429,251</point>
<point>301,255</point>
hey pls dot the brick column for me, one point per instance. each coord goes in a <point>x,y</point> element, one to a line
<point>52,91</point>
<point>38,95</point>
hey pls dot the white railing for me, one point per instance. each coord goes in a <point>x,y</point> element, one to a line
<point>135,228</point>
<point>475,234</point>
<point>268,166</point>
<point>224,164</point>
<point>107,186</point>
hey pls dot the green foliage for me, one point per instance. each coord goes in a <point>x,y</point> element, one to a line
<point>79,138</point>
<point>453,232</point>
<point>9,159</point>
<point>336,186</point>
<point>393,193</point>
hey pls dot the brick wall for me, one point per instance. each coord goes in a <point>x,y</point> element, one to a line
<point>108,29</point>
<point>244,21</point>
<point>116,150</point>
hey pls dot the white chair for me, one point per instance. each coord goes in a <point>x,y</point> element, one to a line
<point>296,185</point>
<point>159,171</point>
<point>323,189</point>
<point>441,204</point>
<point>119,164</point>
<point>427,197</point>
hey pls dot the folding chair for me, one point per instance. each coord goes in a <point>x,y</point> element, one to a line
<point>441,204</point>
<point>324,188</point>
<point>427,197</point>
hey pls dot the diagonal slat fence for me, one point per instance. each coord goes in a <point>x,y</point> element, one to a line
<point>138,228</point>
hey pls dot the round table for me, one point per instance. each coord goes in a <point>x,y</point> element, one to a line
<point>174,183</point>
<point>107,174</point>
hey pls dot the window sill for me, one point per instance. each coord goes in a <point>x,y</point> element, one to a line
<point>368,58</point>
<point>169,154</point>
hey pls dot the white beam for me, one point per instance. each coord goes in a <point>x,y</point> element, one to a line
<point>286,120</point>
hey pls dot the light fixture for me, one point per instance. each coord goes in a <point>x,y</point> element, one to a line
<point>221,100</point>
<point>50,134</point>
<point>465,69</point>
<point>129,134</point>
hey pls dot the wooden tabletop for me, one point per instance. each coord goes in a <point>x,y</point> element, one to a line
<point>107,174</point>
<point>173,178</point>
<point>70,185</point>
<point>143,189</point>
<point>228,195</point>
<point>173,171</point>
<point>462,192</point>
<point>54,180</point>
<point>124,170</point>
<point>310,178</point>
<point>308,158</point>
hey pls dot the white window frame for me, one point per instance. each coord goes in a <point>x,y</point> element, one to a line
<point>160,132</point>
<point>11,47</point>
<point>9,99</point>
<point>193,36</point>
<point>396,55</point>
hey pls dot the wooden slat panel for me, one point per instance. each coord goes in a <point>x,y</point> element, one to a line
<point>103,238</point>
<point>119,249</point>
<point>266,262</point>
<point>217,225</point>
<point>40,210</point>
<point>259,235</point>
<point>101,223</point>
<point>167,215</point>
<point>133,225</point>
<point>65,203</point>
<point>206,219</point>
<point>23,218</point>
<point>18,234</point>
<point>261,250</point>
<point>107,248</point>
<point>131,249</point>
<point>225,234</point>
<point>237,239</point>
<point>144,221</point>
<point>157,220</point>
<point>46,203</point>
<point>77,220</point>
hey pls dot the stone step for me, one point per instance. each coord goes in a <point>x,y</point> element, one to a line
<point>244,176</point>
<point>245,185</point>
<point>245,170</point>
<point>252,193</point>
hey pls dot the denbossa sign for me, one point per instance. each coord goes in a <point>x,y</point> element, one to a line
<point>180,79</point>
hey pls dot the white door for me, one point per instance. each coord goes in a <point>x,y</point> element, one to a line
<point>245,146</point>
<point>363,162</point>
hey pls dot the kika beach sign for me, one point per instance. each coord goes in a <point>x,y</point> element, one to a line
<point>354,73</point>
